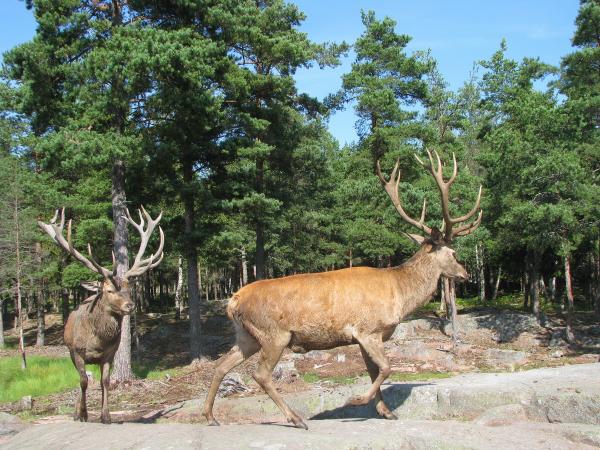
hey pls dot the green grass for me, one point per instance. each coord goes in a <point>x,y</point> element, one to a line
<point>400,376</point>
<point>42,376</point>
<point>10,342</point>
<point>510,302</point>
<point>45,375</point>
<point>149,372</point>
<point>311,377</point>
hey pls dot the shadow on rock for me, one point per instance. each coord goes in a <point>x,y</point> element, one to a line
<point>394,396</point>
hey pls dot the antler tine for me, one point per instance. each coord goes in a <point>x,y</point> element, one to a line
<point>469,228</point>
<point>436,170</point>
<point>423,210</point>
<point>391,187</point>
<point>140,265</point>
<point>454,171</point>
<point>114,262</point>
<point>475,208</point>
<point>151,261</point>
<point>439,167</point>
<point>53,220</point>
<point>55,231</point>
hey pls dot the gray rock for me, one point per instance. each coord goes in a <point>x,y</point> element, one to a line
<point>404,330</point>
<point>318,355</point>
<point>232,384</point>
<point>506,326</point>
<point>323,434</point>
<point>285,370</point>
<point>505,357</point>
<point>502,415</point>
<point>26,403</point>
<point>10,425</point>
<point>558,338</point>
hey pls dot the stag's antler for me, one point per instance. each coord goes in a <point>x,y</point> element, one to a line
<point>391,187</point>
<point>140,265</point>
<point>444,187</point>
<point>55,231</point>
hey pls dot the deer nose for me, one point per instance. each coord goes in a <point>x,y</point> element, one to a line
<point>128,307</point>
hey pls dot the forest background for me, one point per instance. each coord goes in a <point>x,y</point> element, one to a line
<point>201,109</point>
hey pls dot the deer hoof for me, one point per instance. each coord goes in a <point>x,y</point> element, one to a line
<point>213,423</point>
<point>390,415</point>
<point>298,422</point>
<point>384,412</point>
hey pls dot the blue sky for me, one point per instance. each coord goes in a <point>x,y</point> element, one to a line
<point>458,33</point>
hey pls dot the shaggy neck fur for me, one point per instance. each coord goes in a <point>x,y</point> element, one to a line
<point>417,280</point>
<point>106,323</point>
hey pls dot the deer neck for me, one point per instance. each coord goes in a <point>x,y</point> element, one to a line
<point>417,280</point>
<point>106,324</point>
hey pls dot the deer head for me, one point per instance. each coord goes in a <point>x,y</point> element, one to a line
<point>453,226</point>
<point>114,290</point>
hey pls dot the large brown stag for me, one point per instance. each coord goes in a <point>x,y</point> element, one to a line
<point>92,332</point>
<point>350,306</point>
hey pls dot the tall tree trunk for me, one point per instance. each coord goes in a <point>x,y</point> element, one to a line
<point>179,288</point>
<point>526,283</point>
<point>41,319</point>
<point>191,256</point>
<point>260,251</point>
<point>122,362</point>
<point>553,289</point>
<point>40,300</point>
<point>569,291</point>
<point>480,271</point>
<point>260,226</point>
<point>64,293</point>
<point>596,269</point>
<point>1,322</point>
<point>534,284</point>
<point>18,284</point>
<point>244,267</point>
<point>450,295</point>
<point>496,284</point>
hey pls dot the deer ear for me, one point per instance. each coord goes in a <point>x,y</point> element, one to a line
<point>437,238</point>
<point>92,286</point>
<point>417,239</point>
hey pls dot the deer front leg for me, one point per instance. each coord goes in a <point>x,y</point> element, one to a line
<point>380,406</point>
<point>373,346</point>
<point>105,380</point>
<point>81,406</point>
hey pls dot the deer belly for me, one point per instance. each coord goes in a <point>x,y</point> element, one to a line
<point>318,339</point>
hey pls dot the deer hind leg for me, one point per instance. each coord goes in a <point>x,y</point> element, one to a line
<point>373,347</point>
<point>380,406</point>
<point>81,406</point>
<point>245,347</point>
<point>105,381</point>
<point>269,355</point>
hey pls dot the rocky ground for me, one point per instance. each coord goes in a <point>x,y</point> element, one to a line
<point>543,393</point>
<point>551,408</point>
